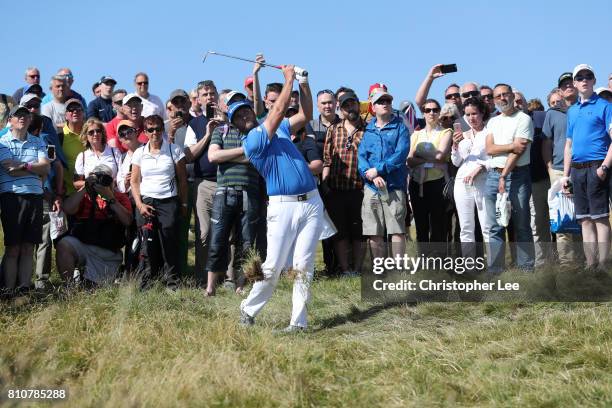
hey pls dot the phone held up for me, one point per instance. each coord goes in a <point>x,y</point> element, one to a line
<point>210,111</point>
<point>448,68</point>
<point>51,152</point>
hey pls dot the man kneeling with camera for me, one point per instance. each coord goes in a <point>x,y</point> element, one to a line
<point>101,215</point>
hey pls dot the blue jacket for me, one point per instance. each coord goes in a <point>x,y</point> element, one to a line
<point>102,109</point>
<point>386,150</point>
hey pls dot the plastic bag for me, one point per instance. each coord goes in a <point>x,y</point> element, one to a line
<point>562,214</point>
<point>329,229</point>
<point>502,209</point>
<point>58,224</point>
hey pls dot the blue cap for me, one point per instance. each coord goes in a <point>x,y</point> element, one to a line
<point>234,107</point>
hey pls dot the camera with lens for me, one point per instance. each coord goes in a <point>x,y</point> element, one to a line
<point>101,179</point>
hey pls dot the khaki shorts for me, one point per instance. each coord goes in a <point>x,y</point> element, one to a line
<point>378,215</point>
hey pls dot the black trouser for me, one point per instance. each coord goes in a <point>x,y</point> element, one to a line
<point>163,251</point>
<point>429,211</point>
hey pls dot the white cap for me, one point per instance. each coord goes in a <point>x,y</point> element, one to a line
<point>129,96</point>
<point>582,67</point>
<point>598,91</point>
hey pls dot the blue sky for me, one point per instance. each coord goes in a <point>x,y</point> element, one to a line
<point>524,43</point>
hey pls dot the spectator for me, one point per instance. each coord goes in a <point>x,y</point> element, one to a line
<point>95,89</point>
<point>588,156</point>
<point>236,201</point>
<point>132,110</point>
<point>469,90</point>
<point>111,126</point>
<point>159,189</point>
<point>72,144</point>
<point>382,164</point>
<point>486,94</point>
<point>520,103</point>
<point>100,216</point>
<point>469,154</point>
<point>554,131</point>
<point>32,76</point>
<point>341,175</point>
<point>102,106</point>
<point>55,109</point>
<point>6,104</point>
<point>317,128</point>
<point>535,105</point>
<point>97,151</point>
<point>23,162</point>
<point>508,142</point>
<point>196,108</point>
<point>151,104</point>
<point>70,93</point>
<point>604,93</point>
<point>428,161</point>
<point>128,134</point>
<point>197,142</point>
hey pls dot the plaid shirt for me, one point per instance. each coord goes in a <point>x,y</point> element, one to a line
<point>340,155</point>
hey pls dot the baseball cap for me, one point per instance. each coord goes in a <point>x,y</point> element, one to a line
<point>598,91</point>
<point>16,109</point>
<point>377,85</point>
<point>231,110</point>
<point>346,97</point>
<point>232,94</point>
<point>379,94</point>
<point>563,77</point>
<point>102,168</point>
<point>582,67</point>
<point>73,100</point>
<point>33,88</point>
<point>131,96</point>
<point>248,81</point>
<point>27,98</point>
<point>108,78</point>
<point>124,123</point>
<point>178,93</point>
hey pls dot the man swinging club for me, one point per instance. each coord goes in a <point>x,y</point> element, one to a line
<point>295,212</point>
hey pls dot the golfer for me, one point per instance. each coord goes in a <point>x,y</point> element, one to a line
<point>295,212</point>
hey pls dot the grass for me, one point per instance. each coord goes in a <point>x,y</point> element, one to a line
<point>120,347</point>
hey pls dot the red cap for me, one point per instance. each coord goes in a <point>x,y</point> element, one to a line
<point>248,81</point>
<point>377,85</point>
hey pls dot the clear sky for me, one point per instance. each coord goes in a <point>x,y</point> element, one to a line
<point>525,43</point>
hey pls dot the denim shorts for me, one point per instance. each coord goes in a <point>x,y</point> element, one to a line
<point>590,193</point>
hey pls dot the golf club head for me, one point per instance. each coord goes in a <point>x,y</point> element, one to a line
<point>206,55</point>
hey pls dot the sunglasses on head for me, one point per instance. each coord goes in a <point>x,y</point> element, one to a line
<point>453,95</point>
<point>125,133</point>
<point>92,132</point>
<point>470,94</point>
<point>154,129</point>
<point>325,91</point>
<point>431,110</point>
<point>585,77</point>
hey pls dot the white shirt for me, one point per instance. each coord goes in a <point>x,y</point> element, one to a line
<point>158,178</point>
<point>153,106</point>
<point>470,153</point>
<point>190,137</point>
<point>56,111</point>
<point>86,161</point>
<point>124,169</point>
<point>505,129</point>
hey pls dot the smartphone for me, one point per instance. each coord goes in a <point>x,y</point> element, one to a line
<point>448,68</point>
<point>457,127</point>
<point>210,111</point>
<point>51,152</point>
<point>130,168</point>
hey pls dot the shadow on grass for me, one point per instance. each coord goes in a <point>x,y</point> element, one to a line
<point>356,315</point>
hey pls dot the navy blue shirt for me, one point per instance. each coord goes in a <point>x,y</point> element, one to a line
<point>203,168</point>
<point>102,109</point>
<point>278,161</point>
<point>588,126</point>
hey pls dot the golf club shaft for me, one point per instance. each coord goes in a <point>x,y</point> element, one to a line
<point>297,69</point>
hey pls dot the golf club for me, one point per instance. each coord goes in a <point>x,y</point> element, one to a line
<point>297,69</point>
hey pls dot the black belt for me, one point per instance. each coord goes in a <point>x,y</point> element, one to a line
<point>584,165</point>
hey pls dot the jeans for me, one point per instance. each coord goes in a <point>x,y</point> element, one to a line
<point>518,186</point>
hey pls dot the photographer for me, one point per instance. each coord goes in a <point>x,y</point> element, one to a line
<point>97,234</point>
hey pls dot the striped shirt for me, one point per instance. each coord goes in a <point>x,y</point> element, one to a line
<point>30,150</point>
<point>340,155</point>
<point>232,173</point>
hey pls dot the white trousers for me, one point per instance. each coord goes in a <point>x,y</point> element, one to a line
<point>292,227</point>
<point>466,199</point>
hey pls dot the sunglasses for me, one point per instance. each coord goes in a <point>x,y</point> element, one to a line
<point>586,77</point>
<point>125,133</point>
<point>432,110</point>
<point>154,129</point>
<point>488,96</point>
<point>92,132</point>
<point>446,118</point>
<point>383,101</point>
<point>34,76</point>
<point>74,110</point>
<point>470,94</point>
<point>503,95</point>
<point>142,83</point>
<point>453,96</point>
<point>33,106</point>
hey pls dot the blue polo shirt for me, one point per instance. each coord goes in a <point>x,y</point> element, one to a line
<point>588,126</point>
<point>385,149</point>
<point>278,161</point>
<point>31,150</point>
